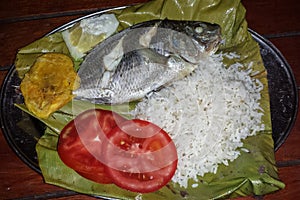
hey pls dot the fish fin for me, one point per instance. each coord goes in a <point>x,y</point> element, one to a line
<point>146,38</point>
<point>100,101</point>
<point>112,59</point>
<point>153,56</point>
<point>93,93</point>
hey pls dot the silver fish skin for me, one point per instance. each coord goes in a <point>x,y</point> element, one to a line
<point>130,64</point>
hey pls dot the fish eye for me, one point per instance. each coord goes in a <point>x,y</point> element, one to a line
<point>199,29</point>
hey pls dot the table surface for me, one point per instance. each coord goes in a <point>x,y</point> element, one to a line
<point>24,21</point>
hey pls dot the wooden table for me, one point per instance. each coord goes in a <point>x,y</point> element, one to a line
<point>24,21</point>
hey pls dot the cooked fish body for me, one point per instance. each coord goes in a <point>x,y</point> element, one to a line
<point>130,64</point>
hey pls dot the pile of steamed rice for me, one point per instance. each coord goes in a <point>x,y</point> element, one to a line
<point>207,114</point>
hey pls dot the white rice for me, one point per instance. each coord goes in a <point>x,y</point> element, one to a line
<point>207,114</point>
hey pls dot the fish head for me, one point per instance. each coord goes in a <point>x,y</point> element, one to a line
<point>206,34</point>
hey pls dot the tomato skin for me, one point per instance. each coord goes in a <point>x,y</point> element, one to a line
<point>83,137</point>
<point>140,156</point>
<point>101,145</point>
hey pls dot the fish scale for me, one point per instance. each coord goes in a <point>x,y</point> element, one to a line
<point>130,64</point>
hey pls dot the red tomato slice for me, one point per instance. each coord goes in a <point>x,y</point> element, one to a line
<point>81,138</point>
<point>140,156</point>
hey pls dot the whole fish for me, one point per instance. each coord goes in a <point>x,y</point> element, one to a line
<point>144,57</point>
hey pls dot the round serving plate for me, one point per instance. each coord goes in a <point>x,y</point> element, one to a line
<point>22,131</point>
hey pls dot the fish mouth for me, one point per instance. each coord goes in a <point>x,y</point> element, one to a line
<point>213,46</point>
<point>216,40</point>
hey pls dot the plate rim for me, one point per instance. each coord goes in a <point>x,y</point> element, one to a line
<point>260,39</point>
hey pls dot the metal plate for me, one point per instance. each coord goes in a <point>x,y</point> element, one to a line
<point>282,89</point>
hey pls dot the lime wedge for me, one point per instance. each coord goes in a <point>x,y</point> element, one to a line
<point>87,33</point>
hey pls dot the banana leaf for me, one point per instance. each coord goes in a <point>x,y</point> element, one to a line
<point>60,118</point>
<point>252,173</point>
<point>27,55</point>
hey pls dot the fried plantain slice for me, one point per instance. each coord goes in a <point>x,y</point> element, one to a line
<point>49,84</point>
